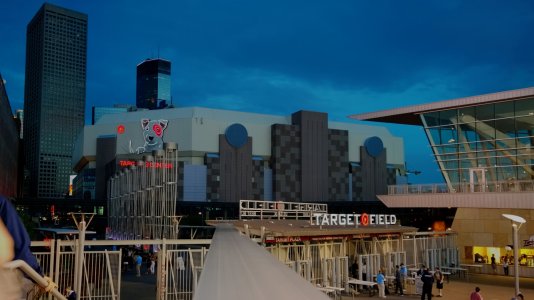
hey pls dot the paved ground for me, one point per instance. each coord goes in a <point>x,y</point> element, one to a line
<point>142,288</point>
<point>492,287</point>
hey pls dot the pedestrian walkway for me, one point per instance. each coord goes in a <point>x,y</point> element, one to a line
<point>141,288</point>
<point>492,287</point>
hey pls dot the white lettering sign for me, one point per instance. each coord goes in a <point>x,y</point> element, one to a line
<point>353,219</point>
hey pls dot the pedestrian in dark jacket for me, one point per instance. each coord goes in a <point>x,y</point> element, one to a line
<point>398,281</point>
<point>427,280</point>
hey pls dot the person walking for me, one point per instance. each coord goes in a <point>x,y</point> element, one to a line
<point>364,271</point>
<point>438,277</point>
<point>398,281</point>
<point>476,295</point>
<point>505,267</point>
<point>152,263</point>
<point>404,274</point>
<point>138,263</point>
<point>493,264</point>
<point>354,269</point>
<point>421,270</point>
<point>380,280</point>
<point>428,281</point>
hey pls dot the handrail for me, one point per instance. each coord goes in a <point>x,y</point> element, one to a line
<point>45,283</point>
<point>504,186</point>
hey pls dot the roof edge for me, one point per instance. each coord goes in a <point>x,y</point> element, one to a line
<point>409,115</point>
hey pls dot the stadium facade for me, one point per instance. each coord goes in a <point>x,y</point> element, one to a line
<point>484,148</point>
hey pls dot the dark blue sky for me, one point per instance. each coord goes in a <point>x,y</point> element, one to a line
<point>278,57</point>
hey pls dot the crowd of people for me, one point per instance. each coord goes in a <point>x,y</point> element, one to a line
<point>427,277</point>
<point>133,257</point>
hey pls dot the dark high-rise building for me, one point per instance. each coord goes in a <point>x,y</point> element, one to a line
<point>19,116</point>
<point>153,84</point>
<point>98,112</point>
<point>54,96</point>
<point>9,146</point>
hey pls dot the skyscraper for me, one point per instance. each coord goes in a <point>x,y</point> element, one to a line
<point>9,146</point>
<point>54,96</point>
<point>98,112</point>
<point>19,115</point>
<point>153,84</point>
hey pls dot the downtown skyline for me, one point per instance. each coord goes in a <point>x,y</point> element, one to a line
<point>276,58</point>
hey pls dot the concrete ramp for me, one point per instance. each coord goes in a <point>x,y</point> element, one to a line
<point>237,268</point>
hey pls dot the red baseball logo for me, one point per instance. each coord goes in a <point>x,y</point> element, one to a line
<point>364,219</point>
<point>157,129</point>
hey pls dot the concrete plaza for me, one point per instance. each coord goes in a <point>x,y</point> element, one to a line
<point>492,287</point>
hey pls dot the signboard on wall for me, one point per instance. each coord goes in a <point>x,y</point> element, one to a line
<point>152,132</point>
<point>147,164</point>
<point>363,219</point>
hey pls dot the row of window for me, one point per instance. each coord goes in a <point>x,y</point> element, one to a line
<point>499,129</point>
<point>510,109</point>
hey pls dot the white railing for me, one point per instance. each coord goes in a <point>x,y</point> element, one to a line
<point>44,282</point>
<point>489,187</point>
<point>101,270</point>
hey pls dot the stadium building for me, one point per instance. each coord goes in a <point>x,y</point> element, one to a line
<point>484,148</point>
<point>227,156</point>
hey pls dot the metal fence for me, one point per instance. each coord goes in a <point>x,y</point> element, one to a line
<point>181,262</point>
<point>417,249</point>
<point>309,260</point>
<point>142,197</point>
<point>184,268</point>
<point>328,263</point>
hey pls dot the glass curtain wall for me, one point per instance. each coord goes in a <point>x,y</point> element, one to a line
<point>495,139</point>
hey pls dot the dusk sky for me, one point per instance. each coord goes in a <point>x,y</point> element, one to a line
<point>278,57</point>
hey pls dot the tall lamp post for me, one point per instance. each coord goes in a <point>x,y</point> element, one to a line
<point>517,221</point>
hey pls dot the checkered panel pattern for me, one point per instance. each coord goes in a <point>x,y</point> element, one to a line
<point>257,183</point>
<point>213,180</point>
<point>338,165</point>
<point>357,189</point>
<point>285,155</point>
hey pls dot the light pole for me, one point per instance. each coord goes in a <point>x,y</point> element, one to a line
<point>517,221</point>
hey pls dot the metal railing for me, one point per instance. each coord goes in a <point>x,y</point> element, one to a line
<point>43,282</point>
<point>142,197</point>
<point>177,275</point>
<point>442,188</point>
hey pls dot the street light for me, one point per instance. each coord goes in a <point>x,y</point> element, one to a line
<point>517,221</point>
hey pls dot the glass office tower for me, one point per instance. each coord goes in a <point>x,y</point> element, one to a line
<point>98,111</point>
<point>153,84</point>
<point>483,143</point>
<point>54,96</point>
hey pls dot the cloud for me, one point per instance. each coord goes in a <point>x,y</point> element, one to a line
<point>340,57</point>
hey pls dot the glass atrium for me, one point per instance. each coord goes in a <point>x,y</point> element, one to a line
<point>483,144</point>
